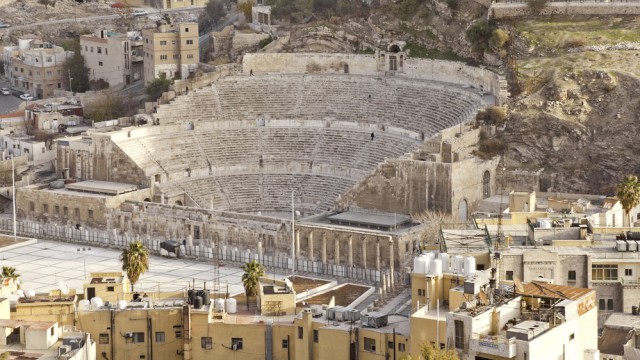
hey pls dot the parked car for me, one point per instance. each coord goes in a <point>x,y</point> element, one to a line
<point>5,91</point>
<point>4,25</point>
<point>139,12</point>
<point>27,97</point>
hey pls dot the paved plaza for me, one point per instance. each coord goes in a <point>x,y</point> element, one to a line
<point>43,264</point>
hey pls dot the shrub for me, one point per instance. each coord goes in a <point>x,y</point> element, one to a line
<point>499,38</point>
<point>479,34</point>
<point>575,43</point>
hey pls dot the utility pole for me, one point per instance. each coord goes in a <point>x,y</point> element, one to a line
<point>13,182</point>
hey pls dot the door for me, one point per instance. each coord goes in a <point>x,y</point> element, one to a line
<point>91,293</point>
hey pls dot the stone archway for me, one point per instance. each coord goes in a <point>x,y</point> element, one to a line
<point>178,202</point>
<point>463,210</point>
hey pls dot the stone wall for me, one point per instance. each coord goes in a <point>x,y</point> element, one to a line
<point>427,69</point>
<point>38,203</point>
<point>521,10</point>
<point>467,183</point>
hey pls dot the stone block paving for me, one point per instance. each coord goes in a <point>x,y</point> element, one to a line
<point>43,264</point>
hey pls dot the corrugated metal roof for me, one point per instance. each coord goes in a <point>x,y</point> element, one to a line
<point>553,291</point>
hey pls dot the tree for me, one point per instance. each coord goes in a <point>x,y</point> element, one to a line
<point>431,352</point>
<point>135,261</point>
<point>9,272</point>
<point>76,68</point>
<point>158,86</point>
<point>46,3</point>
<point>214,11</point>
<point>111,106</point>
<point>251,277</point>
<point>433,221</point>
<point>628,192</point>
<point>246,8</point>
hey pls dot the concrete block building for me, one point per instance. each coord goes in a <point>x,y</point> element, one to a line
<point>35,66</point>
<point>171,51</point>
<point>113,57</point>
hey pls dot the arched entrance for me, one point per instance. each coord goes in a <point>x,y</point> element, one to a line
<point>178,202</point>
<point>463,210</point>
<point>486,184</point>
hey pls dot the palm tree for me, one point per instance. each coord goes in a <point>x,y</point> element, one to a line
<point>252,273</point>
<point>9,272</point>
<point>135,261</point>
<point>628,192</point>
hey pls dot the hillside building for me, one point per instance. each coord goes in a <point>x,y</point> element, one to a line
<point>171,51</point>
<point>35,66</point>
<point>113,57</point>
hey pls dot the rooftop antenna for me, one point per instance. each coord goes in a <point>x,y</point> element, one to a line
<point>293,236</point>
<point>496,260</point>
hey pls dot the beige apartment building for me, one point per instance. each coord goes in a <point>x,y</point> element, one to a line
<point>171,51</point>
<point>113,57</point>
<point>35,66</point>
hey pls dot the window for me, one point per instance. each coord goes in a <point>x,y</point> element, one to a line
<point>459,334</point>
<point>628,272</point>
<point>300,332</point>
<point>163,42</point>
<point>90,214</point>
<point>65,211</point>
<point>104,339</point>
<point>112,289</point>
<point>56,210</point>
<point>285,344</point>
<point>189,42</point>
<point>610,304</point>
<point>86,48</point>
<point>401,347</point>
<point>99,50</point>
<point>49,73</point>
<point>160,336</point>
<point>49,59</point>
<point>173,42</point>
<point>509,275</point>
<point>601,304</point>
<point>59,85</point>
<point>572,336</point>
<point>206,343</point>
<point>138,337</point>
<point>390,344</point>
<point>186,29</point>
<point>420,292</point>
<point>178,334</point>
<point>315,336</point>
<point>604,272</point>
<point>176,56</point>
<point>32,206</point>
<point>43,149</point>
<point>76,212</point>
<point>163,57</point>
<point>92,49</point>
<point>189,56</point>
<point>572,275</point>
<point>369,344</point>
<point>236,343</point>
<point>106,51</point>
<point>45,208</point>
<point>99,63</point>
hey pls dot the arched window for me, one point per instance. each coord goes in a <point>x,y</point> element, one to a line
<point>178,202</point>
<point>486,184</point>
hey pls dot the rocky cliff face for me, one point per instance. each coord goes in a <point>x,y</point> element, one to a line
<point>580,126</point>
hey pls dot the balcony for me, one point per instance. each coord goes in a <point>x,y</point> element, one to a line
<point>497,345</point>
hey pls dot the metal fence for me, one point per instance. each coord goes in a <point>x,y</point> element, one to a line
<point>227,254</point>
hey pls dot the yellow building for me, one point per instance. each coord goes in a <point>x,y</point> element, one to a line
<point>171,51</point>
<point>108,286</point>
<point>276,298</point>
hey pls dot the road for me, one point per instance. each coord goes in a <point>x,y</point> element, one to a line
<point>205,37</point>
<point>94,18</point>
<point>8,103</point>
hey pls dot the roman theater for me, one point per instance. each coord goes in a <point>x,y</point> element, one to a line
<point>312,161</point>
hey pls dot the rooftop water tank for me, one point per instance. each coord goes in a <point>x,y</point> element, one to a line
<point>469,265</point>
<point>632,245</point>
<point>419,264</point>
<point>457,264</point>
<point>96,303</point>
<point>197,303</point>
<point>121,304</point>
<point>218,305</point>
<point>84,305</point>
<point>232,305</point>
<point>621,245</point>
<point>436,267</point>
<point>445,261</point>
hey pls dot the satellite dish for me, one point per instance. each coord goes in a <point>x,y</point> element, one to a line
<point>64,289</point>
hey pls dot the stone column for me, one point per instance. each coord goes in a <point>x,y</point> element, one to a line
<point>310,245</point>
<point>350,255</point>
<point>364,252</point>
<point>378,254</point>
<point>391,263</point>
<point>324,248</point>
<point>297,243</point>
<point>337,250</point>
